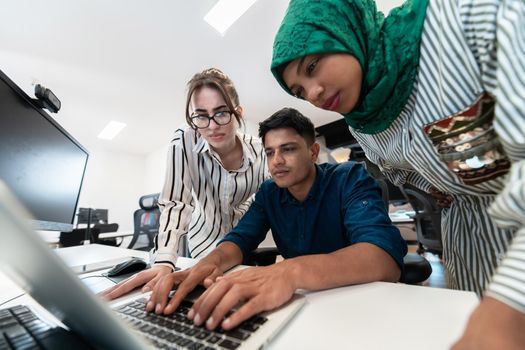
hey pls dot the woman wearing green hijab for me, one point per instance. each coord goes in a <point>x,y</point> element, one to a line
<point>434,94</point>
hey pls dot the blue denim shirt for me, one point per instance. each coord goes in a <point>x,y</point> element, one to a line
<point>344,207</point>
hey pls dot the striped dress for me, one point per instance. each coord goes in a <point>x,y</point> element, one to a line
<point>201,201</point>
<point>468,47</point>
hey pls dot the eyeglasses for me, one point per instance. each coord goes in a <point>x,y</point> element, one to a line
<point>202,121</point>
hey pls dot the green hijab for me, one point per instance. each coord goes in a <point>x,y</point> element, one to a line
<point>387,49</point>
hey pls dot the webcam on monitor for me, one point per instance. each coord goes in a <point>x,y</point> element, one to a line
<point>46,99</point>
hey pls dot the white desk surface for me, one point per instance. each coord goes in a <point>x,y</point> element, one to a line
<point>95,253</point>
<point>371,316</point>
<point>116,234</point>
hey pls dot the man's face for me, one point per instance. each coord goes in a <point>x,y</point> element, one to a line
<point>290,159</point>
<point>328,81</point>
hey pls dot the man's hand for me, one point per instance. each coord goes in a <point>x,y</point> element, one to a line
<point>204,273</point>
<point>148,278</point>
<point>493,325</point>
<point>259,288</point>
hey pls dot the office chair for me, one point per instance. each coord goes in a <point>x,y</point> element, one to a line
<point>427,220</point>
<point>104,228</point>
<point>417,268</point>
<point>146,223</point>
<point>262,257</point>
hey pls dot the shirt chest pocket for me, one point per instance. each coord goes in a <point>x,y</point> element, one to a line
<point>467,143</point>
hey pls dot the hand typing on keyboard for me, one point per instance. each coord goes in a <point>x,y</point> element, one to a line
<point>259,289</point>
<point>204,272</point>
<point>147,278</point>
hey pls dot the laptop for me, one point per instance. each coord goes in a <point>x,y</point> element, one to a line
<point>90,322</point>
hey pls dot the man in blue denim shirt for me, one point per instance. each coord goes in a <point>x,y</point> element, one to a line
<point>329,222</point>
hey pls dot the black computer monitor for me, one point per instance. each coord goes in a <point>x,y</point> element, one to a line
<point>39,161</point>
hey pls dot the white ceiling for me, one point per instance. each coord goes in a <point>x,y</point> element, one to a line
<point>129,61</point>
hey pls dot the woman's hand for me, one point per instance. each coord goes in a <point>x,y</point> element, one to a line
<point>203,273</point>
<point>148,278</point>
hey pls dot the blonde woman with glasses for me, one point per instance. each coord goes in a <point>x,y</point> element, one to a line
<point>213,171</point>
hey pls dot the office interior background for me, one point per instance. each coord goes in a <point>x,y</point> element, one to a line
<point>129,61</point>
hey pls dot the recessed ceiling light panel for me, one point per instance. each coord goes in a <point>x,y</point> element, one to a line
<point>111,130</point>
<point>226,12</point>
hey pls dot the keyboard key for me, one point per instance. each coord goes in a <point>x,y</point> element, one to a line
<point>237,334</point>
<point>195,346</point>
<point>258,320</point>
<point>24,342</point>
<point>192,331</point>
<point>14,331</point>
<point>213,339</point>
<point>6,322</point>
<point>228,344</point>
<point>249,326</point>
<point>202,335</point>
<point>19,309</point>
<point>172,338</point>
<point>183,341</point>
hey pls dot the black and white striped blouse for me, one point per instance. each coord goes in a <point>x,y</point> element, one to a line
<point>468,47</point>
<point>201,201</point>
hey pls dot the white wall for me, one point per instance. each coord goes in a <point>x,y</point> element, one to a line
<point>155,169</point>
<point>114,181</point>
<point>251,127</point>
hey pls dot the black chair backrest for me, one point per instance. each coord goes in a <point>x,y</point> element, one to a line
<point>391,193</point>
<point>146,222</point>
<point>427,219</point>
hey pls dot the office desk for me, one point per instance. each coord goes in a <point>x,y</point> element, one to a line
<point>117,234</point>
<point>370,316</point>
<point>402,217</point>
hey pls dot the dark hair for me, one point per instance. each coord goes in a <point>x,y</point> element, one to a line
<point>214,78</point>
<point>288,118</point>
<point>280,68</point>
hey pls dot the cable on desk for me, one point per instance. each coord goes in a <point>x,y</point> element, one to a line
<point>99,276</point>
<point>7,301</point>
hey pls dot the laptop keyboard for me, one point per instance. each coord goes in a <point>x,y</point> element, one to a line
<point>20,328</point>
<point>177,332</point>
